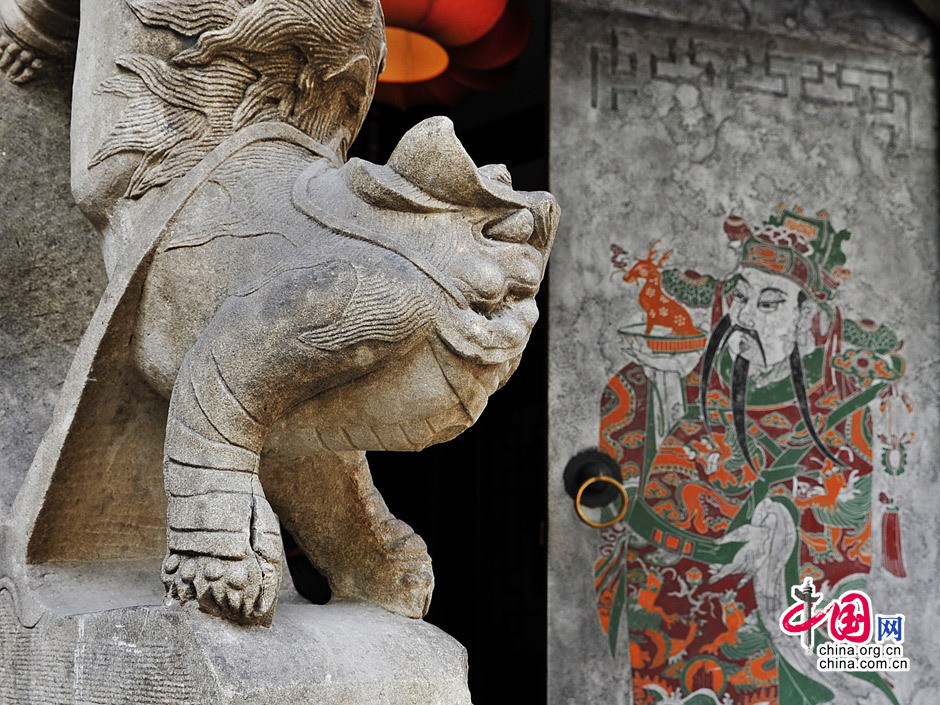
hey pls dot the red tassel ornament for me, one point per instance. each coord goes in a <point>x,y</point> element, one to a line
<point>892,557</point>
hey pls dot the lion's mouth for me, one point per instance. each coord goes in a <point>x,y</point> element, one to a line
<point>514,294</point>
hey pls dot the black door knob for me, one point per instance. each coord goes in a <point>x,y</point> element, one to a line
<point>588,464</point>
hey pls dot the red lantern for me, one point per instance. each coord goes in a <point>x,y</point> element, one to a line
<point>441,50</point>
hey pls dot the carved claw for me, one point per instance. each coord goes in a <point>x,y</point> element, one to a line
<point>243,588</point>
<point>19,64</point>
<point>408,559</point>
<point>416,597</point>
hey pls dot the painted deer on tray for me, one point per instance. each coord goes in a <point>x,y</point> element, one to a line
<point>661,309</point>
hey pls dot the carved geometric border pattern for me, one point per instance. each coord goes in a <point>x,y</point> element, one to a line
<point>619,68</point>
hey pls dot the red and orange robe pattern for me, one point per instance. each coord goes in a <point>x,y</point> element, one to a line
<point>688,631</point>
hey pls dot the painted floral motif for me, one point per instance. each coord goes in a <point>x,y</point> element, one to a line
<point>867,367</point>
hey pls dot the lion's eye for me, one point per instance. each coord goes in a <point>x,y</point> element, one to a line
<point>516,227</point>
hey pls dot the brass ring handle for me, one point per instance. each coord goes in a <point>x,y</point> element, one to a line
<point>623,497</point>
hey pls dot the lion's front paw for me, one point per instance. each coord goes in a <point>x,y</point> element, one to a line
<point>19,64</point>
<point>243,590</point>
<point>402,581</point>
<point>225,554</point>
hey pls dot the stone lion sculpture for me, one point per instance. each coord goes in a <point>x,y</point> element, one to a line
<point>273,311</point>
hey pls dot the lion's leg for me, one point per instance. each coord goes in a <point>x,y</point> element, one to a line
<point>224,546</point>
<point>332,509</point>
<point>252,363</point>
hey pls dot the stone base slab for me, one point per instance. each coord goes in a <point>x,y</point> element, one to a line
<point>343,653</point>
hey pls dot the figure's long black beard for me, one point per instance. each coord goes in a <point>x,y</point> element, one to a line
<point>799,388</point>
<point>722,331</point>
<point>739,406</point>
<point>715,342</point>
<point>719,336</point>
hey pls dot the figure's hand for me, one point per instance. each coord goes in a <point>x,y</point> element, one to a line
<point>749,558</point>
<point>681,363</point>
<point>768,539</point>
<point>18,63</point>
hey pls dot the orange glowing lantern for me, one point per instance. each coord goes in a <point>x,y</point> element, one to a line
<point>441,50</point>
<point>412,57</point>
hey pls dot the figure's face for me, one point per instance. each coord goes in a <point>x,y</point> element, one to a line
<point>336,102</point>
<point>353,92</point>
<point>767,304</point>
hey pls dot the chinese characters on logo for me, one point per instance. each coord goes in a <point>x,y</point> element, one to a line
<point>851,622</point>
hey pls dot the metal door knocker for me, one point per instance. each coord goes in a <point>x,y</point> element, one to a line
<point>592,479</point>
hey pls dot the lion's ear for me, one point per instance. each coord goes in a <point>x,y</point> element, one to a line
<point>432,158</point>
<point>386,190</point>
<point>430,172</point>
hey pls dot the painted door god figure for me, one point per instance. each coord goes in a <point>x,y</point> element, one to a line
<point>763,478</point>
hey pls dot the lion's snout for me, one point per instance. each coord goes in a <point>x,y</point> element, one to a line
<point>509,268</point>
<point>546,213</point>
<point>516,227</point>
<point>534,224</point>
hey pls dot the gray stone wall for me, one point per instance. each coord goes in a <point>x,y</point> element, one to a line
<point>51,272</point>
<point>665,118</point>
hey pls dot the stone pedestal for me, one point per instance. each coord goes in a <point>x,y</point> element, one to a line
<point>99,633</point>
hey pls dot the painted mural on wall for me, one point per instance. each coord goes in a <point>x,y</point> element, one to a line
<point>743,428</point>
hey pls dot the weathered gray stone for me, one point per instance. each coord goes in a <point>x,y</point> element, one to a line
<point>106,637</point>
<point>272,313</point>
<point>51,275</point>
<point>667,118</point>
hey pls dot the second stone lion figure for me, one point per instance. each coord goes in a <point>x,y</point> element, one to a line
<point>296,309</point>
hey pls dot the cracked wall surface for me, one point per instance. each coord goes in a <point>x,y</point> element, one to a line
<point>667,118</point>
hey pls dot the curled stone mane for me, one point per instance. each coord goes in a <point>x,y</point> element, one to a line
<point>251,62</point>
